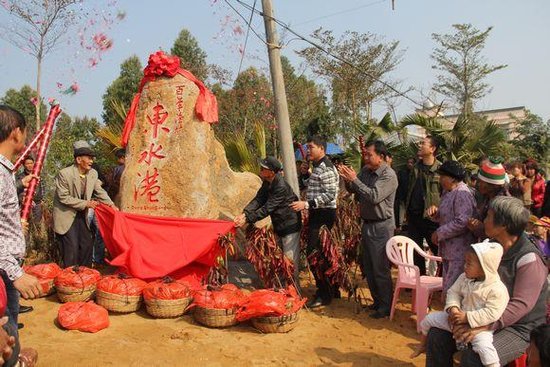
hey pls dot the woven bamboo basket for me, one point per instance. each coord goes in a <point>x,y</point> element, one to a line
<point>215,317</point>
<point>71,294</point>
<point>50,289</point>
<point>167,308</point>
<point>118,302</point>
<point>277,324</point>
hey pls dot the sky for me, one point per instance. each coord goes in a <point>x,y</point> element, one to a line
<point>519,39</point>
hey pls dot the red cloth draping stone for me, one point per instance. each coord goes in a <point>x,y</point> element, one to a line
<point>148,247</point>
<point>161,65</point>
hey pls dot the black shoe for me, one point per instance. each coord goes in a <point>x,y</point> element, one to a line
<point>23,309</point>
<point>379,314</point>
<point>373,307</point>
<point>317,302</point>
<point>337,294</point>
<point>20,325</point>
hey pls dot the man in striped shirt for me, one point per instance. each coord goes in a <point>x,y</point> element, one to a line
<point>12,241</point>
<point>321,194</point>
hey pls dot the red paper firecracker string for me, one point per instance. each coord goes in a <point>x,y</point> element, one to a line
<point>55,111</point>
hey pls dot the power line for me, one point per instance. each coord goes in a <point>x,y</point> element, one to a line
<point>341,12</point>
<point>246,38</point>
<point>242,16</point>
<point>314,44</point>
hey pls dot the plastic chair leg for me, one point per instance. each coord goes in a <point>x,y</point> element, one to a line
<point>422,296</point>
<point>394,301</point>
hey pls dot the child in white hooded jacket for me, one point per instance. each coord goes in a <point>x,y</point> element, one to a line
<point>478,298</point>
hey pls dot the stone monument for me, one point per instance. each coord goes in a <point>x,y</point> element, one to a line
<point>175,166</point>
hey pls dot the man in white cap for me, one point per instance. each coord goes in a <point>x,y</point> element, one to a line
<point>77,189</point>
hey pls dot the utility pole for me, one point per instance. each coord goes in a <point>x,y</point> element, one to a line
<point>281,107</point>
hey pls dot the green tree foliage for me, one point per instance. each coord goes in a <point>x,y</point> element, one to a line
<point>354,87</point>
<point>463,68</point>
<point>533,138</point>
<point>21,100</point>
<point>122,89</point>
<point>306,102</point>
<point>247,103</point>
<point>192,57</point>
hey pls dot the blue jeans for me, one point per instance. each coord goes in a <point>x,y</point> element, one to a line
<point>12,311</point>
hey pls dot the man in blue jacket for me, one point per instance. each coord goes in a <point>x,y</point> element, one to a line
<point>273,199</point>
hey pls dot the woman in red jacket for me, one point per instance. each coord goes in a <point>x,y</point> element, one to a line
<point>538,186</point>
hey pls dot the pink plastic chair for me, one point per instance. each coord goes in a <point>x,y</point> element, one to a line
<point>400,251</point>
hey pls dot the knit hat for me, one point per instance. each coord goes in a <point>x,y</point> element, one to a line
<point>493,172</point>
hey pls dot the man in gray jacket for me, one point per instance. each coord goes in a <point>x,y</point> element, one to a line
<point>375,188</point>
<point>77,189</point>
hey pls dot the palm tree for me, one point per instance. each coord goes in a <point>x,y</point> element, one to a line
<point>111,135</point>
<point>470,138</point>
<point>241,155</point>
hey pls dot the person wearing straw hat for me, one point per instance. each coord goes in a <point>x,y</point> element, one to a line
<point>539,234</point>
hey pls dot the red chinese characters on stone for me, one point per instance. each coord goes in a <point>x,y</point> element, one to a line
<point>179,105</point>
<point>148,186</point>
<point>154,152</point>
<point>159,117</point>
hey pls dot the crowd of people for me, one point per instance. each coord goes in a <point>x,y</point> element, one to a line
<point>495,292</point>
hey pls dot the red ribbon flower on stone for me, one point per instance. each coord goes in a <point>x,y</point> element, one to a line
<point>161,64</point>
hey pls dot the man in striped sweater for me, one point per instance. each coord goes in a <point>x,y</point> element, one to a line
<point>321,194</point>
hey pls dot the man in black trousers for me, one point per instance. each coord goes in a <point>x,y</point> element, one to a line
<point>375,188</point>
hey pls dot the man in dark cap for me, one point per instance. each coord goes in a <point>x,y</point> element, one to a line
<point>77,189</point>
<point>273,199</point>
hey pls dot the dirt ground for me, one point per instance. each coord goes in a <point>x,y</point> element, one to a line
<point>336,335</point>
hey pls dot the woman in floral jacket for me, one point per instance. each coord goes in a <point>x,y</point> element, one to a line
<point>456,207</point>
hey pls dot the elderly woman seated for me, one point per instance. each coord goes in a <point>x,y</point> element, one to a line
<point>523,271</point>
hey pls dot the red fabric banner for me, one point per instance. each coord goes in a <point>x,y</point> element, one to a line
<point>161,64</point>
<point>148,247</point>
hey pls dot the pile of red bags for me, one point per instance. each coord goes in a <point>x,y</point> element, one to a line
<point>267,302</point>
<point>45,273</point>
<point>227,297</point>
<point>77,277</point>
<point>83,316</point>
<point>121,284</point>
<point>167,289</point>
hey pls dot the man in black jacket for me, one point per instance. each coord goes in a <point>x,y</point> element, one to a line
<point>274,199</point>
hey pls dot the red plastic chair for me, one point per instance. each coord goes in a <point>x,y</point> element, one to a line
<point>400,251</point>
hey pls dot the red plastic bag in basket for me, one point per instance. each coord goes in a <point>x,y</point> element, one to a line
<point>227,297</point>
<point>83,316</point>
<point>44,271</point>
<point>166,288</point>
<point>266,302</point>
<point>77,277</point>
<point>122,285</point>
